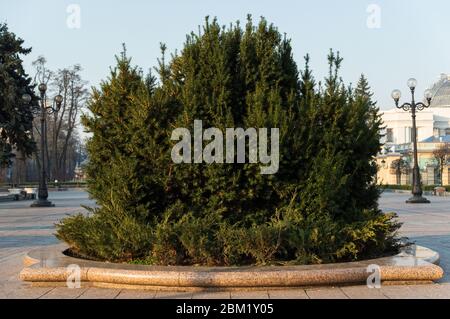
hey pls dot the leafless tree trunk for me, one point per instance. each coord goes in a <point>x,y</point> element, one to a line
<point>61,124</point>
<point>74,91</point>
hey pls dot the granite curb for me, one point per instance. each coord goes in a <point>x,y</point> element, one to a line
<point>49,267</point>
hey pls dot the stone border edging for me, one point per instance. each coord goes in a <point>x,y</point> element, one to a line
<point>48,267</point>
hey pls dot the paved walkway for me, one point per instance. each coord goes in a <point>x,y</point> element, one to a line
<point>425,224</point>
<point>23,228</point>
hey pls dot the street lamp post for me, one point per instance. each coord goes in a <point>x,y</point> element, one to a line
<point>44,110</point>
<point>413,107</point>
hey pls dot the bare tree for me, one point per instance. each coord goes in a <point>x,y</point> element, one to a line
<point>442,156</point>
<point>62,142</point>
<point>42,74</point>
<point>73,88</point>
<point>398,167</point>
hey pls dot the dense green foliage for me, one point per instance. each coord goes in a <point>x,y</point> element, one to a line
<point>321,206</point>
<point>15,116</point>
<point>426,188</point>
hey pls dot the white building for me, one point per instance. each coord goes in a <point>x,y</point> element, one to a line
<point>433,121</point>
<point>433,130</point>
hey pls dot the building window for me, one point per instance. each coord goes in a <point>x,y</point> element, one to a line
<point>436,132</point>
<point>389,135</point>
<point>447,131</point>
<point>409,134</point>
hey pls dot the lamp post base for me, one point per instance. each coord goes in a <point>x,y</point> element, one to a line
<point>417,199</point>
<point>42,203</point>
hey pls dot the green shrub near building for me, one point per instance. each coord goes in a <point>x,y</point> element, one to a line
<point>320,207</point>
<point>427,188</point>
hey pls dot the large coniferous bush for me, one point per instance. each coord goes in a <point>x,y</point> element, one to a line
<point>321,206</point>
<point>16,118</point>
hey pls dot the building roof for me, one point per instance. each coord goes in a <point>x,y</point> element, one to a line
<point>434,139</point>
<point>441,92</point>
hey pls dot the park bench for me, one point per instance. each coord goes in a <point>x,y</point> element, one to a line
<point>23,193</point>
<point>6,197</point>
<point>18,193</point>
<point>31,192</point>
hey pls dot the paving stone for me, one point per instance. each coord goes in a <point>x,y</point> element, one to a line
<point>173,295</point>
<point>22,229</point>
<point>136,294</point>
<point>362,292</point>
<point>99,293</point>
<point>288,294</point>
<point>257,294</point>
<point>28,292</point>
<point>64,293</point>
<point>212,295</point>
<point>432,291</point>
<point>326,293</point>
<point>427,225</point>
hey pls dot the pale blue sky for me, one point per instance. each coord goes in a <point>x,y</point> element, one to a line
<point>413,39</point>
